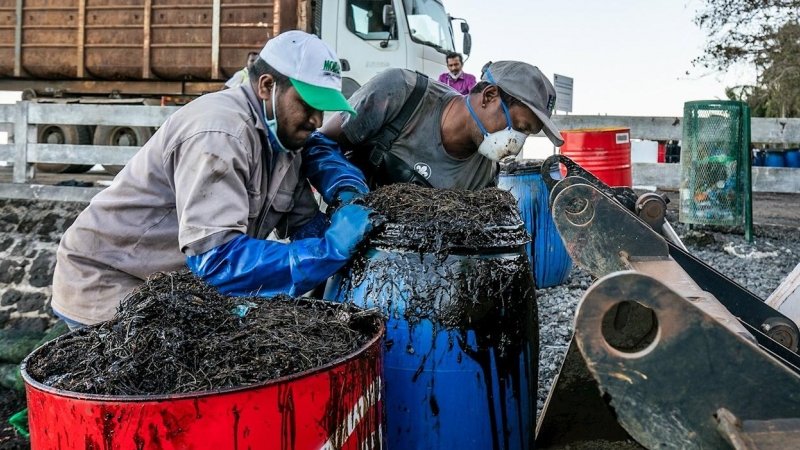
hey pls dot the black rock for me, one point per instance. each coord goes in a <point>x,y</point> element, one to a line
<point>42,269</point>
<point>11,272</point>
<point>10,297</point>
<point>33,301</point>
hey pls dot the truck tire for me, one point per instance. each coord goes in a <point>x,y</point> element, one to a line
<point>120,136</point>
<point>349,86</point>
<point>64,134</point>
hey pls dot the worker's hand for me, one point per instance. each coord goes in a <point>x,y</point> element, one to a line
<point>350,225</point>
<point>347,195</point>
<point>344,197</point>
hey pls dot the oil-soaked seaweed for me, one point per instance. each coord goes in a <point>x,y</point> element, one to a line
<point>177,334</point>
<point>455,261</point>
<point>442,220</point>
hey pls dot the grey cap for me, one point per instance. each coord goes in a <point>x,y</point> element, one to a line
<point>527,84</point>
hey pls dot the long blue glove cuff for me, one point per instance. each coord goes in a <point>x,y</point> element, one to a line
<point>245,266</point>
<point>315,228</point>
<point>248,266</point>
<point>311,263</point>
<point>328,170</point>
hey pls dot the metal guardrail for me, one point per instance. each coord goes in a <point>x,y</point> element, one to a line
<point>23,150</point>
<point>26,151</point>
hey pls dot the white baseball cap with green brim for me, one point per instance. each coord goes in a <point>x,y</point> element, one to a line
<point>312,67</point>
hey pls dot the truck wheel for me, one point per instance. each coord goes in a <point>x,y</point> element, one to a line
<point>349,86</point>
<point>28,94</point>
<point>120,137</point>
<point>64,134</point>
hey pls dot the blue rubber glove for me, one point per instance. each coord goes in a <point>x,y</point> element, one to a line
<point>347,195</point>
<point>328,170</point>
<point>344,197</point>
<point>249,266</point>
<point>315,228</point>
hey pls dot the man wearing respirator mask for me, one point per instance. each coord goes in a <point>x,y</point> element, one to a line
<point>435,137</point>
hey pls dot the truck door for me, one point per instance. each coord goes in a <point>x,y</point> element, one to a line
<point>367,40</point>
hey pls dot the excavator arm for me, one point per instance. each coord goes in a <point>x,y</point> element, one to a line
<point>667,352</point>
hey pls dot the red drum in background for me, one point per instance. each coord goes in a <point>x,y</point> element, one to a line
<point>605,152</point>
<point>662,151</point>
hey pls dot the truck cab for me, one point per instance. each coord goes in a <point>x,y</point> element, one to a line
<point>372,35</point>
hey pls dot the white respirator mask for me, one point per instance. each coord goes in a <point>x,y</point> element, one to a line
<point>500,144</point>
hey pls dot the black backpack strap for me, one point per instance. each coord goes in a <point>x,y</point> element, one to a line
<point>395,170</point>
<point>390,132</point>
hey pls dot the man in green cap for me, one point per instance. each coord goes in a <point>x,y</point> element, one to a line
<point>217,178</point>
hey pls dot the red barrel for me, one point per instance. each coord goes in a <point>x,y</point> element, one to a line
<point>662,151</point>
<point>337,406</point>
<point>605,152</point>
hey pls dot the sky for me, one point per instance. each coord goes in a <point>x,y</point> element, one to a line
<point>627,57</point>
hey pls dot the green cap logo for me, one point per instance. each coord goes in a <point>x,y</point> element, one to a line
<point>331,66</point>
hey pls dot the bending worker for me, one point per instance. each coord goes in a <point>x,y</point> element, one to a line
<point>213,182</point>
<point>411,130</point>
<point>240,77</point>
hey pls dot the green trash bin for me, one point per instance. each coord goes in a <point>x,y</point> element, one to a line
<point>715,164</point>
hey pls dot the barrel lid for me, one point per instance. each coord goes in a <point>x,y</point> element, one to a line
<point>598,130</point>
<point>435,220</point>
<point>525,166</point>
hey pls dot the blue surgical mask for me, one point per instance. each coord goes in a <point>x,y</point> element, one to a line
<point>272,125</point>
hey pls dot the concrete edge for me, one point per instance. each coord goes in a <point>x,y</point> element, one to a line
<point>782,180</point>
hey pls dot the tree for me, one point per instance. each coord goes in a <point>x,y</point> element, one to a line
<point>764,33</point>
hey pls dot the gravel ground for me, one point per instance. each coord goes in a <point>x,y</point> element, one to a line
<point>760,267</point>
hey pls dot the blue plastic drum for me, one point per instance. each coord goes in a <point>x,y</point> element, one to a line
<point>549,258</point>
<point>793,158</point>
<point>758,158</point>
<point>462,340</point>
<point>775,158</point>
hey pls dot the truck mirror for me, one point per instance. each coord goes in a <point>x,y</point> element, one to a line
<point>464,27</point>
<point>388,15</point>
<point>467,47</point>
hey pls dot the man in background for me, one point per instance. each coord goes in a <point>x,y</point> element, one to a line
<point>240,77</point>
<point>455,77</point>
